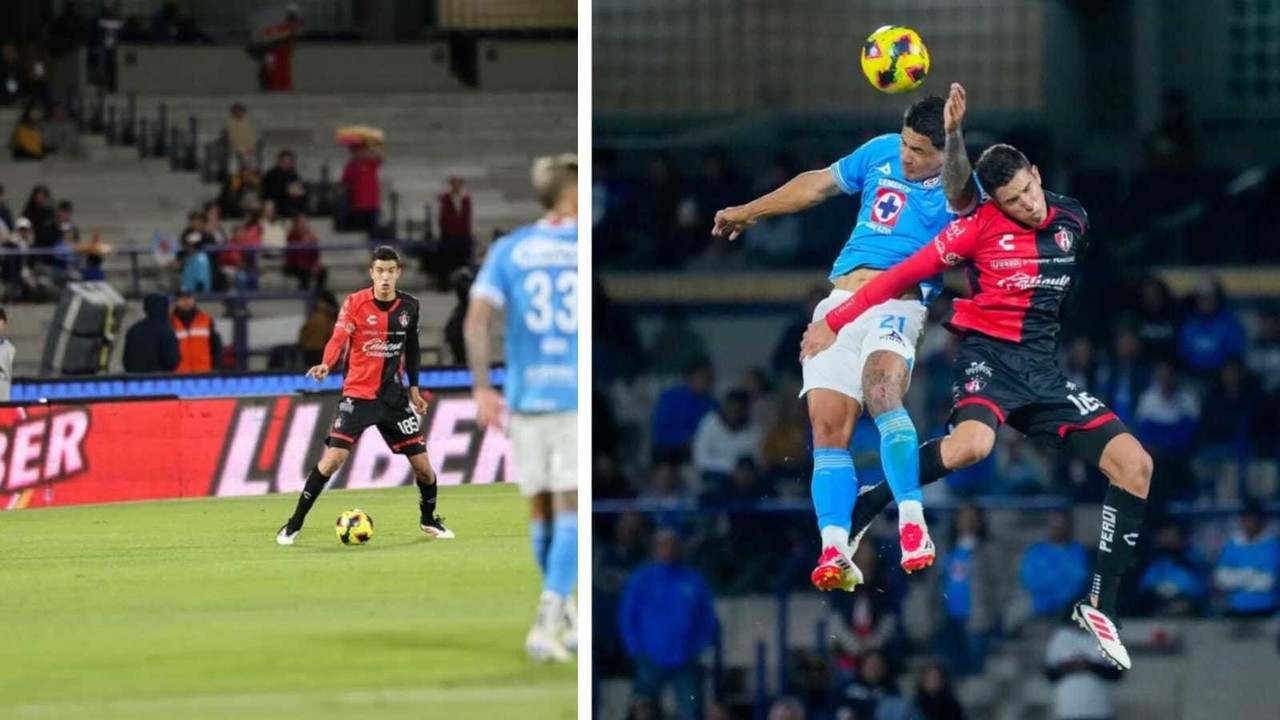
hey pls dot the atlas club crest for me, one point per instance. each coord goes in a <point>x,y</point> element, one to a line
<point>1063,238</point>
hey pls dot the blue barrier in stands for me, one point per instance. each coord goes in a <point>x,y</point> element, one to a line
<point>219,385</point>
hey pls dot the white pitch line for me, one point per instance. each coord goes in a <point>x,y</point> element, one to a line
<point>495,694</point>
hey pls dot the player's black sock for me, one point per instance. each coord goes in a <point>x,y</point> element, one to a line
<point>310,491</point>
<point>427,500</point>
<point>873,502</point>
<point>1122,514</point>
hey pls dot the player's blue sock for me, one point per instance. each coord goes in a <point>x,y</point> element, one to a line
<point>540,535</point>
<point>562,559</point>
<point>899,455</point>
<point>834,490</point>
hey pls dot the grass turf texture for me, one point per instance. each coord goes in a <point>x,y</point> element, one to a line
<point>189,609</point>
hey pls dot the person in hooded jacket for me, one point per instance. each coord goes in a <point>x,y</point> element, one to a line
<point>151,346</point>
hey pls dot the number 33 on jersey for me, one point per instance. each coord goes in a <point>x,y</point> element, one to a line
<point>532,273</point>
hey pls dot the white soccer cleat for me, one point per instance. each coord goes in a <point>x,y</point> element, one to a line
<point>436,528</point>
<point>569,635</point>
<point>284,537</point>
<point>917,546</point>
<point>544,642</point>
<point>1096,623</point>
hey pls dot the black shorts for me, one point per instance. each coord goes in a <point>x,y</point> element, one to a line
<point>997,381</point>
<point>400,428</point>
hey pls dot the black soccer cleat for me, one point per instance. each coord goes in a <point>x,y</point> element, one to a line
<point>436,529</point>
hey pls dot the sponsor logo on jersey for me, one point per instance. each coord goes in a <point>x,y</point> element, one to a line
<point>947,256</point>
<point>932,182</point>
<point>1064,240</point>
<point>1072,387</point>
<point>978,368</point>
<point>1007,264</point>
<point>884,169</point>
<point>381,348</point>
<point>1006,241</point>
<point>404,319</point>
<point>1023,281</point>
<point>373,319</point>
<point>893,336</point>
<point>1108,528</point>
<point>544,251</point>
<point>894,185</point>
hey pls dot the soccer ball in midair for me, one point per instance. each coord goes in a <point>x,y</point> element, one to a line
<point>355,527</point>
<point>894,59</point>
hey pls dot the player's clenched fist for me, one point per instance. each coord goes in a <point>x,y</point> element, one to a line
<point>319,372</point>
<point>730,222</point>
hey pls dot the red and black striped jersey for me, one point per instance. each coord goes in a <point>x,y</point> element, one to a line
<point>380,339</point>
<point>1018,275</point>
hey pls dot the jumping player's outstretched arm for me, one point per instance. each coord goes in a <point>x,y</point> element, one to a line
<point>957,174</point>
<point>799,193</point>
<point>952,246</point>
<point>342,330</point>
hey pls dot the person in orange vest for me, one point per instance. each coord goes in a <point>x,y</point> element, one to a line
<point>198,341</point>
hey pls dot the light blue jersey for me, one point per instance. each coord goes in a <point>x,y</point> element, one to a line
<point>533,274</point>
<point>898,216</point>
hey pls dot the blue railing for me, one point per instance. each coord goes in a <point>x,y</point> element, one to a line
<point>216,385</point>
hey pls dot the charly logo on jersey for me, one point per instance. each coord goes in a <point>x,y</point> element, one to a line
<point>1006,241</point>
<point>888,206</point>
<point>545,251</point>
<point>372,319</point>
<point>978,367</point>
<point>1023,281</point>
<point>381,348</point>
<point>1064,240</point>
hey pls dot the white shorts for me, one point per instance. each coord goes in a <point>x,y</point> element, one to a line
<point>894,326</point>
<point>544,447</point>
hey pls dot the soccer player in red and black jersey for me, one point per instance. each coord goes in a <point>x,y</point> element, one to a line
<point>1019,251</point>
<point>377,329</point>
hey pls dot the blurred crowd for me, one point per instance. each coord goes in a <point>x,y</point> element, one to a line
<point>1195,377</point>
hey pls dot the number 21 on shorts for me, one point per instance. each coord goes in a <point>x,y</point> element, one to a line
<point>887,322</point>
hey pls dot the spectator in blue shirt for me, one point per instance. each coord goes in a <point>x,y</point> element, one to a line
<point>1248,571</point>
<point>667,619</point>
<point>679,411</point>
<point>1212,333</point>
<point>1055,571</point>
<point>969,583</point>
<point>1175,582</point>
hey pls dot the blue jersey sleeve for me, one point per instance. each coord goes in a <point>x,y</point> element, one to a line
<point>850,170</point>
<point>491,283</point>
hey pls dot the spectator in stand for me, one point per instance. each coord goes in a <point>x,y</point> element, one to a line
<point>1126,377</point>
<point>1055,571</point>
<point>39,210</point>
<point>460,282</point>
<point>621,546</point>
<point>197,272</point>
<point>935,699</point>
<point>151,346</point>
<point>67,241</point>
<point>317,328</point>
<point>283,186</point>
<point>107,29</point>
<point>27,142</point>
<point>196,226</point>
<point>970,582</point>
<point>678,413</point>
<point>242,138</point>
<point>1211,334</point>
<point>241,257</point>
<point>7,353</point>
<point>19,275</point>
<point>764,403</point>
<point>722,439</point>
<point>364,192</point>
<point>1247,576</point>
<point>1081,676</point>
<point>775,241</point>
<point>873,693</point>
<point>213,224</point>
<point>607,479</point>
<point>1264,354</point>
<point>274,232</point>
<point>1175,582</point>
<point>1158,321</point>
<point>277,61</point>
<point>786,708</point>
<point>456,245</point>
<point>1226,426</point>
<point>1167,417</point>
<point>303,263</point>
<point>867,620</point>
<point>60,134</point>
<point>241,191</point>
<point>199,345</point>
<point>677,346</point>
<point>667,620</point>
<point>12,76</point>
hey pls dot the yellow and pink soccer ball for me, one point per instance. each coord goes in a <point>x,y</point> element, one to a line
<point>895,59</point>
<point>355,527</point>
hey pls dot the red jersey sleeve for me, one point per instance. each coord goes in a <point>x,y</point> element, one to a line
<point>952,246</point>
<point>342,331</point>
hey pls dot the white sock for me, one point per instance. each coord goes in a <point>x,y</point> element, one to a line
<point>910,511</point>
<point>834,535</point>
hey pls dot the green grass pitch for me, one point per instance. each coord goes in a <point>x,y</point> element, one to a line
<point>188,609</point>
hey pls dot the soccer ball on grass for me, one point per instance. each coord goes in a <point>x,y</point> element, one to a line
<point>894,59</point>
<point>355,527</point>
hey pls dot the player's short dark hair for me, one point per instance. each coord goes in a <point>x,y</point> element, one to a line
<point>998,164</point>
<point>385,252</point>
<point>925,117</point>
